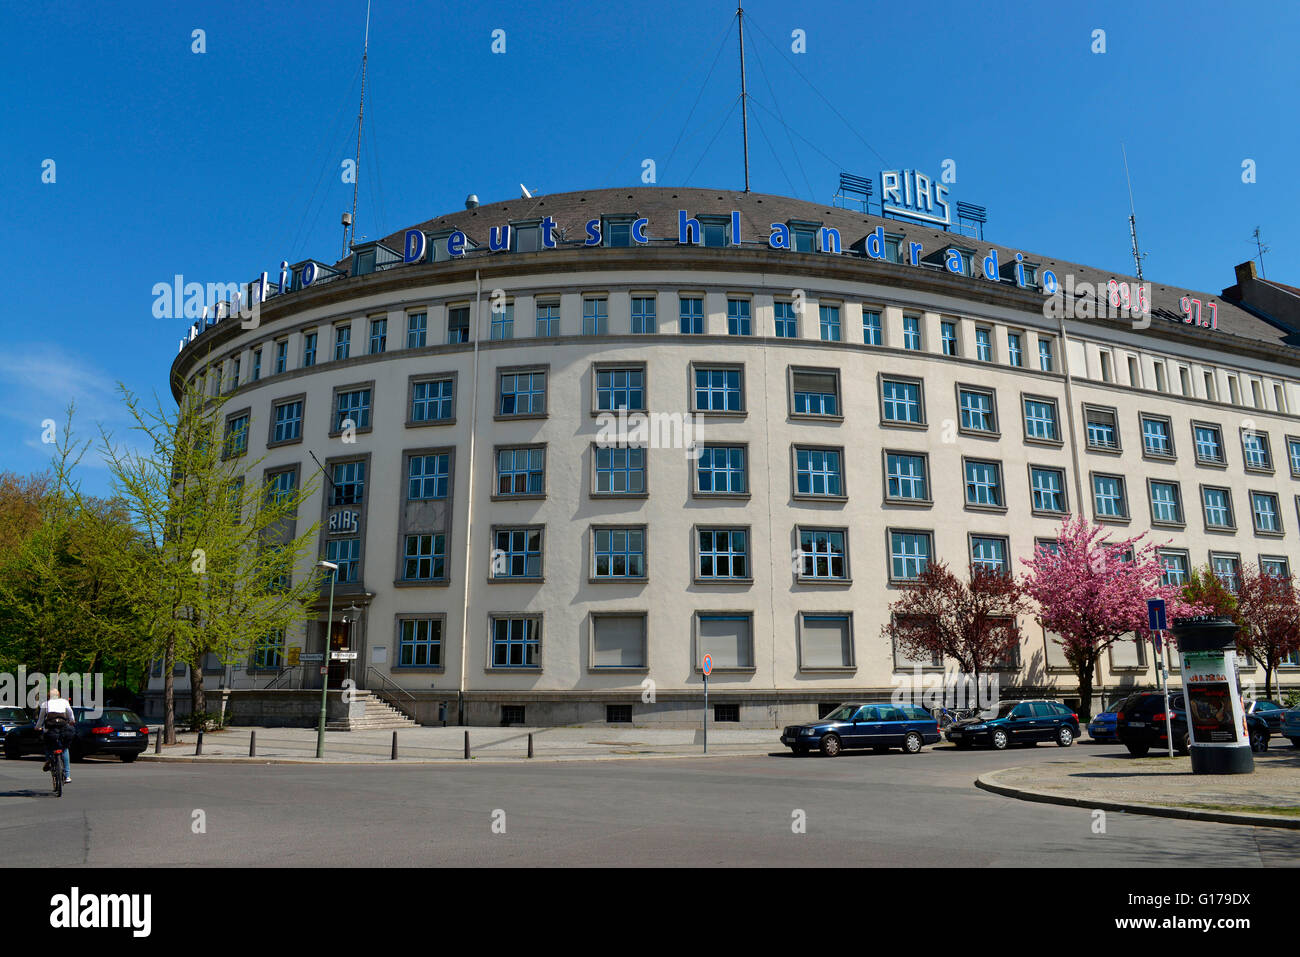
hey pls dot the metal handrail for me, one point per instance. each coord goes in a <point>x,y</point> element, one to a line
<point>274,682</point>
<point>387,695</point>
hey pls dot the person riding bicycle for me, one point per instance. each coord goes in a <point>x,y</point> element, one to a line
<point>54,719</point>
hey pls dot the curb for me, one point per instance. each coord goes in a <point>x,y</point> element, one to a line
<point>459,761</point>
<point>986,783</point>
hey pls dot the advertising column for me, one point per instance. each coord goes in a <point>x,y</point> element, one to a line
<point>1216,720</point>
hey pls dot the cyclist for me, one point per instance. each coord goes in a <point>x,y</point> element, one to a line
<point>54,718</point>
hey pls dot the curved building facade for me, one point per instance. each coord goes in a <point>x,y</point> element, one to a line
<point>559,463</point>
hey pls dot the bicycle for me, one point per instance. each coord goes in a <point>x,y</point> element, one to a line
<point>56,770</point>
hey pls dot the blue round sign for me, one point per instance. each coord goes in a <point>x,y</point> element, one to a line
<point>707,665</point>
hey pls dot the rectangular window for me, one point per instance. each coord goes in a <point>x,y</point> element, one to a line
<point>1108,496</point>
<point>909,554</point>
<point>871,327</point>
<point>342,342</point>
<point>787,323</point>
<point>281,486</point>
<point>720,469</point>
<point>1104,358</point>
<point>1293,455</point>
<point>281,355</point>
<point>1227,568</point>
<point>1217,503</point>
<point>309,350</point>
<point>521,393</point>
<point>1047,487</point>
<point>822,554</point>
<point>503,322</point>
<point>516,642</point>
<point>1014,354</point>
<point>595,317</point>
<point>1256,451</point>
<point>257,364</point>
<point>1103,433</point>
<point>1268,520</point>
<point>988,552</point>
<point>825,641</point>
<point>817,472</point>
<point>1156,437</point>
<point>428,476</point>
<point>738,323</point>
<point>1045,354</point>
<point>1174,568</point>
<point>348,483</point>
<point>378,335</point>
<point>691,316</point>
<point>984,484</point>
<point>352,408</point>
<point>643,315</point>
<point>815,393</point>
<point>912,332</point>
<point>268,652</point>
<point>618,641</point>
<point>977,414</point>
<point>620,470</point>
<point>417,329</point>
<point>1166,503</point>
<point>948,337</point>
<point>234,374</point>
<point>906,477</point>
<point>426,558</point>
<point>457,324</point>
<point>900,401</point>
<point>718,390</point>
<point>433,400</point>
<point>1209,444</point>
<point>723,554</point>
<point>618,553</point>
<point>419,643</point>
<point>830,323</point>
<point>288,421</point>
<point>346,553</point>
<point>727,639</point>
<point>1040,419</point>
<point>548,319</point>
<point>620,389</point>
<point>1274,567</point>
<point>516,553</point>
<point>521,471</point>
<point>236,435</point>
<point>984,344</point>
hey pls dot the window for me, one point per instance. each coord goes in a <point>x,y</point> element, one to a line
<point>1014,354</point>
<point>738,317</point>
<point>620,470</point>
<point>787,324</point>
<point>1274,567</point>
<point>352,408</point>
<point>348,483</point>
<point>871,327</point>
<point>720,469</point>
<point>948,337</point>
<point>417,328</point>
<point>718,389</point>
<point>900,401</point>
<point>234,374</point>
<point>457,324</point>
<point>257,364</point>
<point>1217,504</point>
<point>236,435</point>
<point>521,393</point>
<point>1157,439</point>
<point>620,389</point>
<point>723,554</point>
<point>419,643</point>
<point>595,317</point>
<point>428,476</point>
<point>726,638</point>
<point>281,355</point>
<point>905,477</point>
<point>516,553</point>
<point>1134,377</point>
<point>893,248</point>
<point>984,484</point>
<point>1108,497</point>
<point>618,231</point>
<point>433,400</point>
<point>288,421</point>
<point>830,323</point>
<point>378,335</point>
<point>1227,568</point>
<point>618,553</point>
<point>548,318</point>
<point>1047,490</point>
<point>1293,455</point>
<point>1103,434</point>
<point>912,332</point>
<point>822,555</point>
<point>643,315</point>
<point>1174,568</point>
<point>516,643</point>
<point>815,393</point>
<point>983,344</point>
<point>268,652</point>
<point>817,472</point>
<point>1255,450</point>
<point>618,641</point>
<point>825,641</point>
<point>977,412</point>
<point>1040,419</point>
<point>346,553</point>
<point>308,350</point>
<point>1104,358</point>
<point>281,486</point>
<point>426,558</point>
<point>1166,503</point>
<point>909,554</point>
<point>691,316</point>
<point>1267,517</point>
<point>521,471</point>
<point>342,342</point>
<point>1045,353</point>
<point>988,552</point>
<point>1209,444</point>
<point>503,322</point>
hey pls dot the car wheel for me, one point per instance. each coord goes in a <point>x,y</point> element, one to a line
<point>999,739</point>
<point>128,758</point>
<point>830,745</point>
<point>1295,742</point>
<point>912,743</point>
<point>1258,742</point>
<point>1064,737</point>
<point>1181,743</point>
<point>1138,750</point>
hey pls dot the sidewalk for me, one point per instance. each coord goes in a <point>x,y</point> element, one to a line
<point>1163,787</point>
<point>426,745</point>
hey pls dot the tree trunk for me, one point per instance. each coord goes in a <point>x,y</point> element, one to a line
<point>1268,678</point>
<point>169,692</point>
<point>1084,674</point>
<point>978,704</point>
<point>198,693</point>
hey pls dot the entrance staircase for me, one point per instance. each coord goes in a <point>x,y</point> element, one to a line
<point>369,713</point>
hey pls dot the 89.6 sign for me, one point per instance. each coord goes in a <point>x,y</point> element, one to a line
<point>1133,298</point>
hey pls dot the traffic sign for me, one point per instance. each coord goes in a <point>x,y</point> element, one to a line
<point>314,656</point>
<point>324,670</point>
<point>707,665</point>
<point>343,656</point>
<point>1156,614</point>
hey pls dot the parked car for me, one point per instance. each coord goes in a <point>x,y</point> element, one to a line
<point>1140,724</point>
<point>877,726</point>
<point>1017,722</point>
<point>11,718</point>
<point>1102,726</point>
<point>1270,711</point>
<point>1291,726</point>
<point>115,731</point>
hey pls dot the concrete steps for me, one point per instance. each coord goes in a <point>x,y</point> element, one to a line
<point>373,715</point>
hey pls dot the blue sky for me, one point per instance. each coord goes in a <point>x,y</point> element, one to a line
<point>218,165</point>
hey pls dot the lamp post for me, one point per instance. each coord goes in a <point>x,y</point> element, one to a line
<point>354,616</point>
<point>324,678</point>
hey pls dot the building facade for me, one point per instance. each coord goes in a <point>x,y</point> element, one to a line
<point>559,463</point>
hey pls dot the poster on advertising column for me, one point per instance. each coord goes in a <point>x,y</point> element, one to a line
<point>1209,677</point>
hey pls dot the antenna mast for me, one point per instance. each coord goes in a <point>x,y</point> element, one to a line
<point>744,109</point>
<point>1132,216</point>
<point>1259,244</point>
<point>361,117</point>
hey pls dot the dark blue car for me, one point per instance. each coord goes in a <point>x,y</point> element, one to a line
<point>1017,722</point>
<point>1102,726</point>
<point>11,718</point>
<point>876,726</point>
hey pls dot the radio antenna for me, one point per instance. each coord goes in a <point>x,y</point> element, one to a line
<point>744,106</point>
<point>351,224</point>
<point>1132,216</point>
<point>1259,245</point>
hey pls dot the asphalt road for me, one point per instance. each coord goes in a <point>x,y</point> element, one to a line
<point>860,810</point>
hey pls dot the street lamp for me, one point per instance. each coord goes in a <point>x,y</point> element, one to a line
<point>354,617</point>
<point>324,682</point>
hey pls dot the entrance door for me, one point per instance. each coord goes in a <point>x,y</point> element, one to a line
<point>338,670</point>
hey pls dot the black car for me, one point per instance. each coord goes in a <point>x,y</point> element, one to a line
<point>114,731</point>
<point>1017,722</point>
<point>11,718</point>
<point>1140,724</point>
<point>1269,711</point>
<point>876,726</point>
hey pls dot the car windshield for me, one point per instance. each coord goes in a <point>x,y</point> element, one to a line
<point>844,712</point>
<point>112,718</point>
<point>13,714</point>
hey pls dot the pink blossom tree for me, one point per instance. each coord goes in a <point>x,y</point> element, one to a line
<point>1092,591</point>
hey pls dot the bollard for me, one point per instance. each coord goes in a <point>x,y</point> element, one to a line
<point>198,744</point>
<point>252,744</point>
<point>157,741</point>
<point>394,745</point>
<point>530,744</point>
<point>466,745</point>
